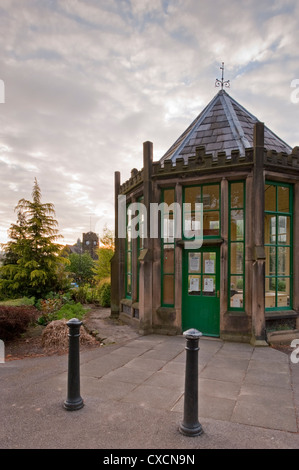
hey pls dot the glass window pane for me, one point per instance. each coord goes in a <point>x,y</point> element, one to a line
<point>270,229</point>
<point>168,290</point>
<point>192,195</point>
<point>168,229</point>
<point>209,285</point>
<point>283,292</point>
<point>211,224</point>
<point>236,258</point>
<point>270,284</point>
<point>281,284</point>
<point>283,199</point>
<point>283,261</point>
<point>169,196</point>
<point>194,263</point>
<point>129,262</point>
<point>140,243</point>
<point>237,225</point>
<point>236,195</point>
<point>194,285</point>
<point>236,291</point>
<point>209,260</point>
<point>270,287</point>
<point>283,230</point>
<point>270,197</point>
<point>270,260</point>
<point>191,225</point>
<point>168,259</point>
<point>129,239</point>
<point>129,284</point>
<point>210,197</point>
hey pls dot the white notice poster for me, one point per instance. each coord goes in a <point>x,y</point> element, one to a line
<point>194,263</point>
<point>194,284</point>
<point>209,266</point>
<point>208,285</point>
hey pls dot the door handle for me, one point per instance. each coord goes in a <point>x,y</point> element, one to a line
<point>217,294</point>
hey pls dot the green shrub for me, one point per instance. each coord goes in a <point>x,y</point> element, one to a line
<point>105,294</point>
<point>86,294</point>
<point>69,311</point>
<point>15,320</point>
<point>80,294</point>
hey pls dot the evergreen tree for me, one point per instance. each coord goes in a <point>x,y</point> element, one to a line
<point>81,267</point>
<point>32,255</point>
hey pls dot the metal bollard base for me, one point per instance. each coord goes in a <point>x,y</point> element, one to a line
<point>191,432</point>
<point>73,405</point>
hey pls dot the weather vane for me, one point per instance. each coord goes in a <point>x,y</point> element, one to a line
<point>222,82</point>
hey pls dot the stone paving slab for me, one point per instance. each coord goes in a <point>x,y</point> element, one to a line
<point>268,378</point>
<point>151,396</point>
<point>134,398</point>
<point>227,374</point>
<point>273,417</point>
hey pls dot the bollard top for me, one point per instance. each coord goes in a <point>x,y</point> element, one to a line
<point>74,322</point>
<point>192,333</point>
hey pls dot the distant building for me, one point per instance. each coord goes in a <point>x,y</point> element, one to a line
<point>90,244</point>
<point>77,248</point>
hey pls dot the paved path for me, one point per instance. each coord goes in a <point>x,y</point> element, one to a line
<point>134,393</point>
<point>108,330</point>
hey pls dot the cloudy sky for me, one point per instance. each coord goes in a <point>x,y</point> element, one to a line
<point>88,81</point>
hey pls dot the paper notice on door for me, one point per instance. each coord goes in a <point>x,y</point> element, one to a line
<point>194,263</point>
<point>194,284</point>
<point>209,266</point>
<point>208,285</point>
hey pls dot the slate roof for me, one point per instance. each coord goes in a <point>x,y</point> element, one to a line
<point>224,125</point>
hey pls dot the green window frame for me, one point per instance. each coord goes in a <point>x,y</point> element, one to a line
<point>128,255</point>
<point>236,246</point>
<point>167,251</point>
<point>210,196</point>
<point>278,246</point>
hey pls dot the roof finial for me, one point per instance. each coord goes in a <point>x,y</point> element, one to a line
<point>222,82</point>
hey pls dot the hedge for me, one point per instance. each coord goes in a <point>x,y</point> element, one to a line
<point>15,320</point>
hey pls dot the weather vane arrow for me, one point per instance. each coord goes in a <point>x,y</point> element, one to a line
<point>222,82</point>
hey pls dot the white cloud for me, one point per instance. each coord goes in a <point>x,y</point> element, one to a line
<point>87,82</point>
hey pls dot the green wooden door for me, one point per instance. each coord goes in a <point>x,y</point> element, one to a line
<point>200,296</point>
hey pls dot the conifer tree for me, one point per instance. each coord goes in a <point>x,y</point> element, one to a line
<point>32,254</point>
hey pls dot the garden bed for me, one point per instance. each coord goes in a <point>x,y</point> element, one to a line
<point>34,337</point>
<point>32,344</point>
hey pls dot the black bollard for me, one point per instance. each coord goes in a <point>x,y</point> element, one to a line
<point>74,400</point>
<point>190,425</point>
